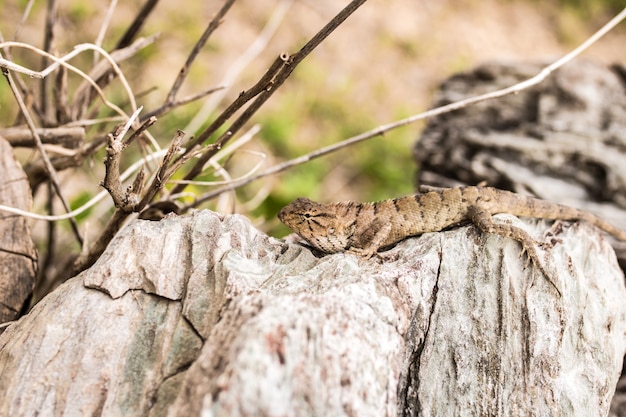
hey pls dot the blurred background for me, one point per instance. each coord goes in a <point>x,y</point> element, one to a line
<point>384,63</point>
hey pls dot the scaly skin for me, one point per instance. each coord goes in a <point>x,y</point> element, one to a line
<point>364,228</point>
<point>367,227</point>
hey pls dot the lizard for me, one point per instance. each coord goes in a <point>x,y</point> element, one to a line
<point>365,228</point>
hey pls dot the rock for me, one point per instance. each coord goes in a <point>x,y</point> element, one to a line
<point>563,140</point>
<point>18,256</point>
<point>204,315</point>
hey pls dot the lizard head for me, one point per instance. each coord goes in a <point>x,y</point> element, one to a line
<point>319,224</point>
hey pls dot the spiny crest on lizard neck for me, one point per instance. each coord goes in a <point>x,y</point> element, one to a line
<point>326,230</point>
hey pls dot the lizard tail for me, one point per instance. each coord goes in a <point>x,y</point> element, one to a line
<point>607,227</point>
<point>552,211</point>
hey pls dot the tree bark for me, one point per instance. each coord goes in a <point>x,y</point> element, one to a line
<point>204,315</point>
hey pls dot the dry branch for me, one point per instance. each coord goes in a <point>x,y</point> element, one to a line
<point>382,129</point>
<point>126,202</point>
<point>69,137</point>
<point>213,25</point>
<point>276,75</point>
<point>137,24</point>
<point>169,105</point>
<point>44,156</point>
<point>102,74</point>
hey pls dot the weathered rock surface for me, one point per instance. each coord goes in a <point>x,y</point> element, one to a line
<point>18,256</point>
<point>204,315</point>
<point>563,140</point>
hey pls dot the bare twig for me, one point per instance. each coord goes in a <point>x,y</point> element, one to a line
<point>101,75</point>
<point>264,89</point>
<point>144,125</point>
<point>86,259</point>
<point>18,29</point>
<point>135,27</point>
<point>51,239</point>
<point>225,153</point>
<point>61,99</point>
<point>112,182</point>
<point>95,200</point>
<point>44,156</point>
<point>167,106</point>
<point>103,28</point>
<point>36,171</point>
<point>68,136</point>
<point>382,129</point>
<point>51,15</point>
<point>62,62</point>
<point>259,44</point>
<point>213,25</point>
<point>264,83</point>
<point>162,175</point>
<point>26,92</point>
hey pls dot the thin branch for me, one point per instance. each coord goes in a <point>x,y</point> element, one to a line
<point>263,84</point>
<point>51,16</point>
<point>86,259</point>
<point>227,152</point>
<point>61,98</point>
<point>135,27</point>
<point>103,28</point>
<point>100,74</point>
<point>51,241</point>
<point>68,136</point>
<point>112,181</point>
<point>18,29</point>
<point>382,129</point>
<point>242,62</point>
<point>62,61</point>
<point>26,92</point>
<point>213,25</point>
<point>144,126</point>
<point>162,176</point>
<point>36,172</point>
<point>167,106</point>
<point>264,89</point>
<point>95,200</point>
<point>44,156</point>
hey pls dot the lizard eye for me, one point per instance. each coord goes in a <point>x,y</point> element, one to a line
<point>307,215</point>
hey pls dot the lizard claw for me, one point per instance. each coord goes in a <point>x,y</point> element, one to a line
<point>366,254</point>
<point>363,253</point>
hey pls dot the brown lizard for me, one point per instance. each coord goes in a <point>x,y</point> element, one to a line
<point>365,228</point>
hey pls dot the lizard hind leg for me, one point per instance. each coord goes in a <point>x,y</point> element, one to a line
<point>483,220</point>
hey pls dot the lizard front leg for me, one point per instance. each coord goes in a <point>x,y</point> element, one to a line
<point>483,220</point>
<point>366,242</point>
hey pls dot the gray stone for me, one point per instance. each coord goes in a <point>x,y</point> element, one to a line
<point>205,315</point>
